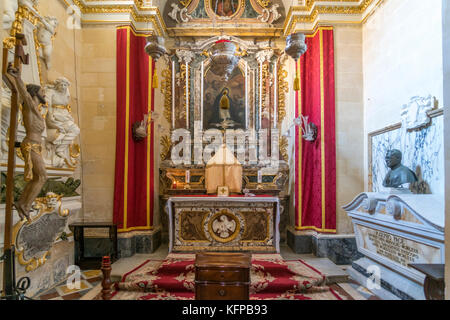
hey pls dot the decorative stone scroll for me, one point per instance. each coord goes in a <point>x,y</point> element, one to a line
<point>415,112</point>
<point>34,240</point>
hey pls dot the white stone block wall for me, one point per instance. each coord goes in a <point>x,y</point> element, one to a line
<point>402,58</point>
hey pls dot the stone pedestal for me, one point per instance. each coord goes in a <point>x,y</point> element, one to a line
<point>393,231</point>
<point>131,243</point>
<point>341,249</point>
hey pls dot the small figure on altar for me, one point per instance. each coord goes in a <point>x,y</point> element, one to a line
<point>34,173</point>
<point>225,106</point>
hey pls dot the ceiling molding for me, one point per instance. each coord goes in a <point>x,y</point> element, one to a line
<point>300,18</point>
<point>134,12</point>
<point>313,13</point>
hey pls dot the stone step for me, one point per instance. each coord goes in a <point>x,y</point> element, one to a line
<point>333,272</point>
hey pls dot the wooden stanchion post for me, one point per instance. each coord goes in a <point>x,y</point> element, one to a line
<point>106,283</point>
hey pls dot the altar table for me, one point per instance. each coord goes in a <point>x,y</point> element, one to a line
<point>235,223</point>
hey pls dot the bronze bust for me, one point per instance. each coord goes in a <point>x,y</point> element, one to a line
<point>398,174</point>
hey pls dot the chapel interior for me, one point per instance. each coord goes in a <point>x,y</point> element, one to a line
<point>225,150</point>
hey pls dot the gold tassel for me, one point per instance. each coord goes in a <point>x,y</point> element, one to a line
<point>155,80</point>
<point>296,82</point>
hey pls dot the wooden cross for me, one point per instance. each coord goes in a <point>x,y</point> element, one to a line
<point>19,58</point>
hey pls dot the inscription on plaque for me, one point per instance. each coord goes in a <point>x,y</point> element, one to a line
<point>398,249</point>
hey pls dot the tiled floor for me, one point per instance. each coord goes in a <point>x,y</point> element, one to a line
<point>91,282</point>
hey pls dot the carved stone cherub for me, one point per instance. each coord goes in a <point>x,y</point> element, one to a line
<point>9,13</point>
<point>46,32</point>
<point>398,174</point>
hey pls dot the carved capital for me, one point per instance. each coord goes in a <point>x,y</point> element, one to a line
<point>185,56</point>
<point>264,55</point>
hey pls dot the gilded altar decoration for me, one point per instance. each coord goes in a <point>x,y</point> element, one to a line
<point>264,3</point>
<point>283,90</point>
<point>34,239</point>
<point>185,3</point>
<point>166,144</point>
<point>166,90</point>
<point>199,223</point>
<point>284,143</point>
<point>224,226</point>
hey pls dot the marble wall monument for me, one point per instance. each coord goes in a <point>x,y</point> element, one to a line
<point>396,228</point>
<point>393,231</point>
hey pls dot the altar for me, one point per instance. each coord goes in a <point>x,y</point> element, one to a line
<point>235,223</point>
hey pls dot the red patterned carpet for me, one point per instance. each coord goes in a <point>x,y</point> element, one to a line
<point>271,278</point>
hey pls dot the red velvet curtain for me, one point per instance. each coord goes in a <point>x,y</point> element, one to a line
<point>134,187</point>
<point>315,169</point>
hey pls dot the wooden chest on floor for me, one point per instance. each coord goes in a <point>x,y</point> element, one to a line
<point>222,276</point>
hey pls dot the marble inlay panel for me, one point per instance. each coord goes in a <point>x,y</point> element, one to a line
<point>422,148</point>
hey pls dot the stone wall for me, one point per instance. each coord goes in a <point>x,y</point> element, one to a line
<point>349,121</point>
<point>402,58</point>
<point>98,120</point>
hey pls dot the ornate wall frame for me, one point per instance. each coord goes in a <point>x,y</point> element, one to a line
<point>261,63</point>
<point>371,135</point>
<point>50,205</point>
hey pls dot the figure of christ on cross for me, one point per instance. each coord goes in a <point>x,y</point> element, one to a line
<point>35,174</point>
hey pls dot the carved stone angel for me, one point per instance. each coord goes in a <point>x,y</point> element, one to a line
<point>61,127</point>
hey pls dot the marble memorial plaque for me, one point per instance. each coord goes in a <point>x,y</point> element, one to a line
<point>397,249</point>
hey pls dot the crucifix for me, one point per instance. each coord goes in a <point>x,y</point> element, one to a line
<point>10,289</point>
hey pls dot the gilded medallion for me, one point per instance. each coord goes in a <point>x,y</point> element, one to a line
<point>224,227</point>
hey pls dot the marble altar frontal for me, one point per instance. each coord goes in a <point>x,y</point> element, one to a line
<point>224,224</point>
<point>394,231</point>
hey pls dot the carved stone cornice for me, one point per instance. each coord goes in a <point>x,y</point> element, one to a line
<point>300,18</point>
<point>308,17</point>
<point>136,12</point>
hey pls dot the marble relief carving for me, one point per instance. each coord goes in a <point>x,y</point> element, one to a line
<point>414,114</point>
<point>235,227</point>
<point>422,152</point>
